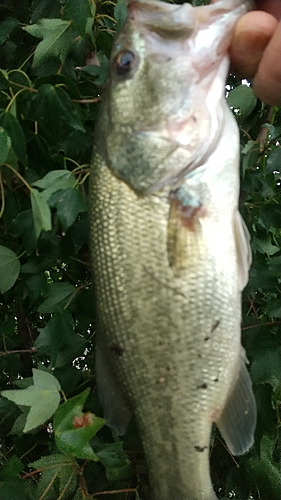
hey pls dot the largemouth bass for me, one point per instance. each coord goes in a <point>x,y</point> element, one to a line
<point>170,252</point>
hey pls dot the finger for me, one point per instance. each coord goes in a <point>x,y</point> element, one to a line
<point>267,81</point>
<point>252,33</point>
<point>271,6</point>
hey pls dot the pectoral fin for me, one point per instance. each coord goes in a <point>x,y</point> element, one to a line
<point>238,419</point>
<point>182,230</point>
<point>244,254</point>
<point>176,240</point>
<point>116,409</point>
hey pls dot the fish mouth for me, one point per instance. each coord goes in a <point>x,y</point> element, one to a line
<point>167,20</point>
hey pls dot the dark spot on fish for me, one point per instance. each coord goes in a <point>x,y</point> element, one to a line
<point>206,338</point>
<point>199,355</point>
<point>200,448</point>
<point>118,350</point>
<point>216,379</point>
<point>202,386</point>
<point>215,325</point>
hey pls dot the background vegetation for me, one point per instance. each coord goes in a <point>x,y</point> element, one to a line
<point>54,444</point>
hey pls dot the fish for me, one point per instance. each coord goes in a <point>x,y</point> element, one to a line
<point>170,252</point>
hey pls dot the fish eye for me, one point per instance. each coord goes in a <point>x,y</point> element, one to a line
<point>124,62</point>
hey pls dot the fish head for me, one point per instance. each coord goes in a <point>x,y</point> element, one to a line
<point>164,99</point>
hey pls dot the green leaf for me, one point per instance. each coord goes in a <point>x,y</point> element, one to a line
<point>266,367</point>
<point>243,99</point>
<point>74,429</point>
<point>13,489</point>
<point>8,411</point>
<point>79,232</point>
<point>58,470</point>
<point>57,39</point>
<point>60,178</point>
<point>9,268</point>
<point>69,203</point>
<point>274,265</point>
<point>120,13</point>
<point>274,160</point>
<point>54,460</point>
<point>11,468</point>
<point>6,27</point>
<point>57,294</point>
<point>20,422</point>
<point>115,460</point>
<point>273,308</point>
<point>13,128</point>
<point>53,181</point>
<point>80,14</point>
<point>52,105</point>
<point>36,285</point>
<point>250,155</point>
<point>46,8</point>
<point>264,246</point>
<point>99,71</point>
<point>43,398</point>
<point>41,212</point>
<point>274,132</point>
<point>59,340</point>
<point>265,474</point>
<point>5,144</point>
<point>23,226</point>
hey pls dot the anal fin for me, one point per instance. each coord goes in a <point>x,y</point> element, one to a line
<point>237,421</point>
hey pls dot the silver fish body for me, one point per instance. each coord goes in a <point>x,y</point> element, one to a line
<point>170,253</point>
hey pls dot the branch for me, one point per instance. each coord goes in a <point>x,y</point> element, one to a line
<point>115,492</point>
<point>261,324</point>
<point>32,350</point>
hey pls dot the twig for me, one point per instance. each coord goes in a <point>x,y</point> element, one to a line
<point>86,101</point>
<point>32,350</point>
<point>261,324</point>
<point>115,492</point>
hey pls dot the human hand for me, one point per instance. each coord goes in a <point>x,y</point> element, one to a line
<point>256,50</point>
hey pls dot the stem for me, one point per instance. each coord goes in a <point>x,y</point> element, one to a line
<point>271,323</point>
<point>107,16</point>
<point>115,492</point>
<point>18,175</point>
<point>23,87</point>
<point>32,350</point>
<point>86,101</point>
<point>13,99</point>
<point>63,395</point>
<point>2,195</point>
<point>75,293</point>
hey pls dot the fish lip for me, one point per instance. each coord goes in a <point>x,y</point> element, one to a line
<point>168,20</point>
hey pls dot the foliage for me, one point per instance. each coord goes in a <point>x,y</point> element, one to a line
<point>55,445</point>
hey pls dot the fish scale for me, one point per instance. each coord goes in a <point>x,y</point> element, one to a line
<point>170,258</point>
